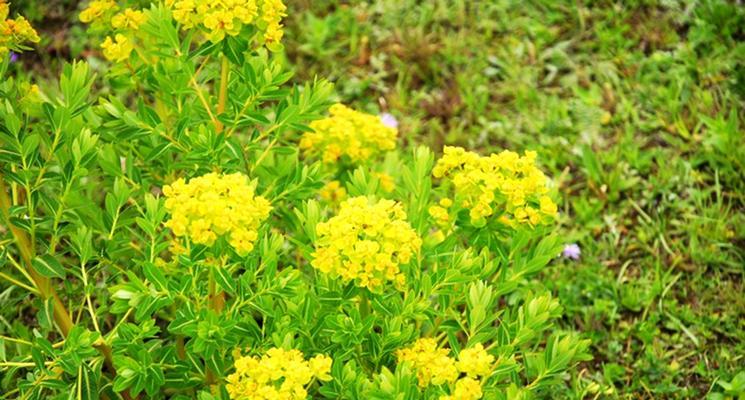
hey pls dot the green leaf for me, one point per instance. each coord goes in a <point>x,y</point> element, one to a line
<point>87,384</point>
<point>224,279</point>
<point>48,266</point>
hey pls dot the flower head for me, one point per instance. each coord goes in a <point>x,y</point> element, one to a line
<point>117,49</point>
<point>465,389</point>
<point>96,10</point>
<point>14,33</point>
<point>367,242</point>
<point>228,17</point>
<point>389,120</point>
<point>349,134</point>
<point>507,185</point>
<point>279,374</point>
<point>128,19</point>
<point>571,251</point>
<point>213,205</point>
<point>475,361</point>
<point>431,363</point>
<point>333,192</point>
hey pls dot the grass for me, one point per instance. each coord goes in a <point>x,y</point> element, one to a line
<point>635,107</point>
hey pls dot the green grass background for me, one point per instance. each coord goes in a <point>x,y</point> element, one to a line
<point>636,108</point>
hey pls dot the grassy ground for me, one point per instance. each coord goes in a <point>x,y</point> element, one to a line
<point>636,107</point>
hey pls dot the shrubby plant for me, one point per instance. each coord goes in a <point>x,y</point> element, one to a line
<point>188,226</point>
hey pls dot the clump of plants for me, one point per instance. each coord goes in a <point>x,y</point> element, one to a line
<point>187,225</point>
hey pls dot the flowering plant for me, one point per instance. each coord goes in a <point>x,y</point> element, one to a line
<point>201,229</point>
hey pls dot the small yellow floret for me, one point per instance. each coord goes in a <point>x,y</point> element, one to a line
<point>118,49</point>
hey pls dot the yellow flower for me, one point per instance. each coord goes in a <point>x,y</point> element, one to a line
<point>128,19</point>
<point>213,205</point>
<point>333,192</point>
<point>320,365</point>
<point>386,182</point>
<point>475,361</point>
<point>272,13</point>
<point>348,133</point>
<point>14,32</point>
<point>440,214</point>
<point>279,374</point>
<point>465,389</point>
<point>228,17</point>
<point>431,363</point>
<point>366,243</point>
<point>507,185</point>
<point>96,9</point>
<point>117,50</point>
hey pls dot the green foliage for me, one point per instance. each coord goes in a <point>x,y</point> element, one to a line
<point>127,307</point>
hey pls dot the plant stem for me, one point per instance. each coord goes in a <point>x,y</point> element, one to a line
<point>44,284</point>
<point>364,304</point>
<point>61,316</point>
<point>223,94</point>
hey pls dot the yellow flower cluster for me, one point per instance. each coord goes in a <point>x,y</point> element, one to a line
<point>440,212</point>
<point>349,133</point>
<point>505,184</point>
<point>103,14</point>
<point>216,205</point>
<point>228,17</point>
<point>434,366</point>
<point>272,12</point>
<point>465,389</point>
<point>128,19</point>
<point>117,49</point>
<point>333,192</point>
<point>97,10</point>
<point>278,375</point>
<point>366,243</point>
<point>14,32</point>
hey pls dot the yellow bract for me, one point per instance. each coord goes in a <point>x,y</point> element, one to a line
<point>366,243</point>
<point>505,184</point>
<point>213,205</point>
<point>279,374</point>
<point>227,17</point>
<point>117,49</point>
<point>14,32</point>
<point>349,133</point>
<point>434,366</point>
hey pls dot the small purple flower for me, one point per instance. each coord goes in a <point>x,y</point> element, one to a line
<point>571,251</point>
<point>389,120</point>
<point>13,57</point>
